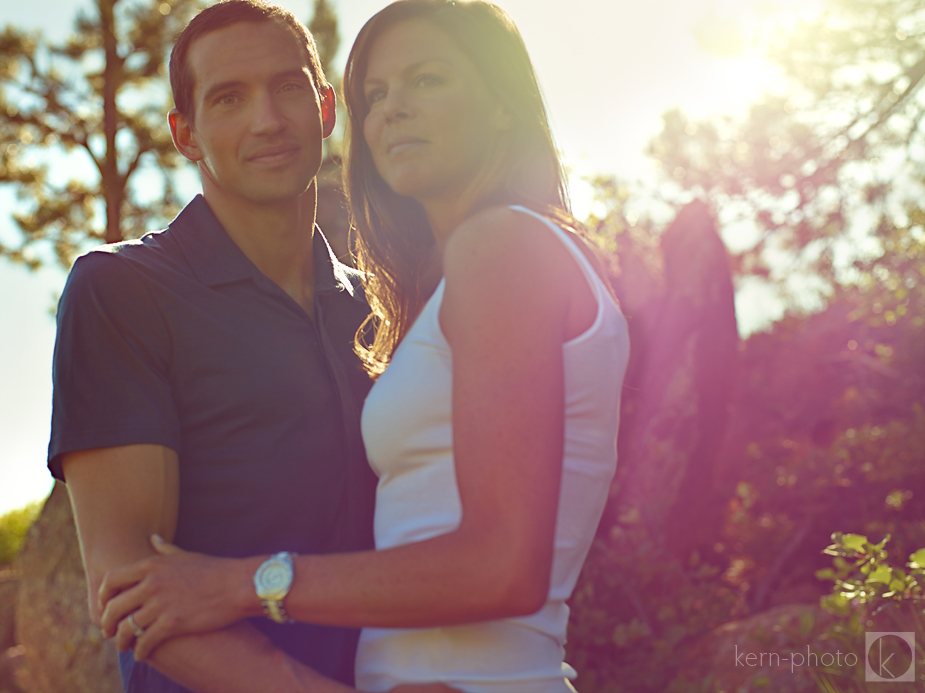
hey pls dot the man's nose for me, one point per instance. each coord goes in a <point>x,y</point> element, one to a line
<point>268,117</point>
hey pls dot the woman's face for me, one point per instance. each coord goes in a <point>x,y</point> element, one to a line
<point>431,123</point>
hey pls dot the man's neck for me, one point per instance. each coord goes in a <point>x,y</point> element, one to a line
<point>277,238</point>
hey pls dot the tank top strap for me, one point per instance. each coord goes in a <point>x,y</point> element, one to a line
<point>571,244</point>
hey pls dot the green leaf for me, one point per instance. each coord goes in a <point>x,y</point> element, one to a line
<point>881,574</point>
<point>882,543</point>
<point>836,604</point>
<point>855,542</point>
<point>917,560</point>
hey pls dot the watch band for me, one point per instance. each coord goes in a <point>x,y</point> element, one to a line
<point>275,611</point>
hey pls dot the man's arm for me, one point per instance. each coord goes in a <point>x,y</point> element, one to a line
<point>123,495</point>
<point>120,496</point>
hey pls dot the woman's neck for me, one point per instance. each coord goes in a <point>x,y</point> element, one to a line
<point>445,215</point>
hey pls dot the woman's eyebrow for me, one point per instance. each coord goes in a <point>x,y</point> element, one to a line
<point>411,68</point>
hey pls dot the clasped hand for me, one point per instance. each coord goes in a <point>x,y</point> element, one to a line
<point>174,593</point>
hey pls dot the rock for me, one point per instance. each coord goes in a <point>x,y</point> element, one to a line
<point>9,591</point>
<point>684,345</point>
<point>61,650</point>
<point>779,650</point>
<point>10,662</point>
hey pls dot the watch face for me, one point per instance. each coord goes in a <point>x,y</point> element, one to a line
<point>273,579</point>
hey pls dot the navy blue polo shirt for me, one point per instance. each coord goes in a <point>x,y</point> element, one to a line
<point>177,339</point>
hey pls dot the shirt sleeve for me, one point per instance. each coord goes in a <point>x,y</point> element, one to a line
<point>111,371</point>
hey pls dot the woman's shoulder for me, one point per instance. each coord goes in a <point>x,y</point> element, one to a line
<point>502,237</point>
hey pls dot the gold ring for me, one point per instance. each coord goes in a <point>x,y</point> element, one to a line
<point>136,629</point>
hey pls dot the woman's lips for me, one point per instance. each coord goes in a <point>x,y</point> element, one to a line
<point>404,144</point>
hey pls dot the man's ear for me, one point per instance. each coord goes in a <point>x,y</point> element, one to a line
<point>183,138</point>
<point>328,110</point>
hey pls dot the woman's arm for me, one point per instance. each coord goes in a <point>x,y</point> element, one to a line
<point>504,313</point>
<point>508,305</point>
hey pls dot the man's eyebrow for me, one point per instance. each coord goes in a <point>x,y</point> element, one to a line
<point>220,87</point>
<point>216,89</point>
<point>291,74</point>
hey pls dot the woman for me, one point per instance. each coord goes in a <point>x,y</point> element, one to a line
<point>500,356</point>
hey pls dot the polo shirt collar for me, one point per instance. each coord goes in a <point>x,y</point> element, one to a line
<point>216,259</point>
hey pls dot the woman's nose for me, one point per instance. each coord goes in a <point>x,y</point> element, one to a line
<point>396,105</point>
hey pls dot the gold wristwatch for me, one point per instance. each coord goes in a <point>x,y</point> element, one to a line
<point>272,582</point>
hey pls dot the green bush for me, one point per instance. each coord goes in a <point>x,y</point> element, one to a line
<point>872,594</point>
<point>13,528</point>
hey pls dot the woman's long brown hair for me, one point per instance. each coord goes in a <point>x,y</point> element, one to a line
<point>395,246</point>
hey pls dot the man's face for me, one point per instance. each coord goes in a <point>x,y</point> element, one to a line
<point>258,126</point>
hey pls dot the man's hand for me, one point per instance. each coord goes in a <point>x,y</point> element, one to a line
<point>171,594</point>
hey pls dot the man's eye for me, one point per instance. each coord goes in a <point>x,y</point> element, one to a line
<point>291,86</point>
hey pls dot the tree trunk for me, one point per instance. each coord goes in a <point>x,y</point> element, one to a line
<point>113,185</point>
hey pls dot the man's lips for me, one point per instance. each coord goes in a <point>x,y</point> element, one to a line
<point>403,144</point>
<point>272,155</point>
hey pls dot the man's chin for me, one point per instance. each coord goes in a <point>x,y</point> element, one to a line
<point>261,196</point>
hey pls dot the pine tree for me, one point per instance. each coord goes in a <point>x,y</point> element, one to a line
<point>830,176</point>
<point>323,26</point>
<point>99,98</point>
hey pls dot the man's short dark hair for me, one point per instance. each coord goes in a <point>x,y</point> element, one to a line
<point>224,14</point>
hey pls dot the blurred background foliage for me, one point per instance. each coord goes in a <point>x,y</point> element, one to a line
<point>13,528</point>
<point>99,98</point>
<point>734,478</point>
<point>820,194</point>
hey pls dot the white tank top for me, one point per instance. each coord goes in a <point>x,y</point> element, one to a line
<point>408,432</point>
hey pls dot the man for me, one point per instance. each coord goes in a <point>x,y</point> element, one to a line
<point>205,384</point>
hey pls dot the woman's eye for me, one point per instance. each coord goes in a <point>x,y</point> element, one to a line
<point>428,80</point>
<point>374,95</point>
<point>227,99</point>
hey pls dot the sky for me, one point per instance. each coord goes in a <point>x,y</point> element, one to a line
<point>608,70</point>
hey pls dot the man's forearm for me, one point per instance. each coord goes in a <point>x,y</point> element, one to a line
<point>238,659</point>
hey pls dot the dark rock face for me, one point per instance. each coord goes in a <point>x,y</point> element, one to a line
<point>61,650</point>
<point>685,342</point>
<point>10,656</point>
<point>10,662</point>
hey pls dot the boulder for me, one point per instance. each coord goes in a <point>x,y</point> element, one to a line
<point>61,649</point>
<point>10,662</point>
<point>782,650</point>
<point>9,591</point>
